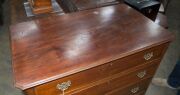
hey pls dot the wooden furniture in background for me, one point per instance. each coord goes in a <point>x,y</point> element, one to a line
<point>79,5</point>
<point>68,6</point>
<point>18,13</point>
<point>112,50</point>
<point>41,6</point>
<point>91,4</point>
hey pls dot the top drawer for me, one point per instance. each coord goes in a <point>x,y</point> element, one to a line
<point>102,71</point>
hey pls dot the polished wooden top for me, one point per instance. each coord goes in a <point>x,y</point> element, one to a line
<point>57,46</point>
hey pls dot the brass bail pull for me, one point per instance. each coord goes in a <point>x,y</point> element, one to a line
<point>64,86</point>
<point>148,56</point>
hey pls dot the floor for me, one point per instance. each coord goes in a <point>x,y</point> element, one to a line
<point>173,14</point>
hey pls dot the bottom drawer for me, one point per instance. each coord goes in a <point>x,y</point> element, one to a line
<point>135,89</point>
<point>129,89</point>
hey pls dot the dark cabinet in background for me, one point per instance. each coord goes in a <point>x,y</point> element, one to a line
<point>148,8</point>
<point>1,12</point>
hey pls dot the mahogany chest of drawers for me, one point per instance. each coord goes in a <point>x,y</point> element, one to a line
<point>105,51</point>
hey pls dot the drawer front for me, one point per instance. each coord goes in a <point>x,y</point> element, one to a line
<point>109,88</point>
<point>134,75</point>
<point>133,89</point>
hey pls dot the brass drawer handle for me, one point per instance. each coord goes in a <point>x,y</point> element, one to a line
<point>64,86</point>
<point>135,90</point>
<point>141,74</point>
<point>148,56</point>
